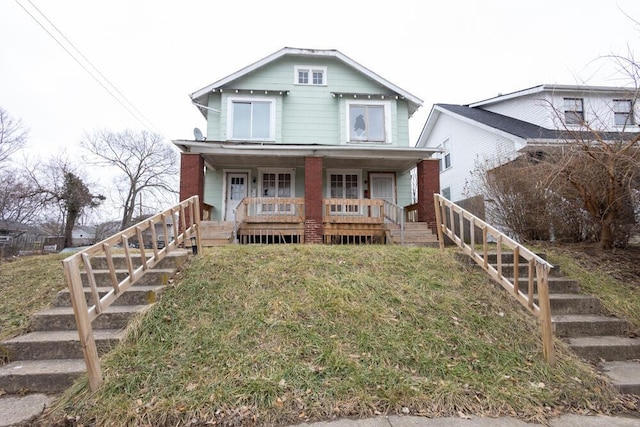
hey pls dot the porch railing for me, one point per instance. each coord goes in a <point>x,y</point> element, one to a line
<point>461,227</point>
<point>395,214</point>
<point>360,211</point>
<point>271,209</point>
<point>185,222</point>
<point>411,213</point>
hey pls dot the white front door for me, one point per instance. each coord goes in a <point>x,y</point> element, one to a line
<point>236,191</point>
<point>382,186</point>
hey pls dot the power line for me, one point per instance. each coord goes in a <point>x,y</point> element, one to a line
<point>109,87</point>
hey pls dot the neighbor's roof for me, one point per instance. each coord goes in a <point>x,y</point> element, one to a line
<point>413,100</point>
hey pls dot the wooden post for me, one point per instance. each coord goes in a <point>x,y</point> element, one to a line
<point>85,332</point>
<point>439,225</point>
<point>542,273</point>
<point>197,224</point>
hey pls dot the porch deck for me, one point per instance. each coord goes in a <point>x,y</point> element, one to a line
<point>345,221</point>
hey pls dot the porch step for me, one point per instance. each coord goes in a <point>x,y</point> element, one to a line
<point>63,318</point>
<point>415,234</point>
<point>40,376</point>
<point>157,276</point>
<point>215,233</point>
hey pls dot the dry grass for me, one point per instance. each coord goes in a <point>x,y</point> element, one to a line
<point>275,335</point>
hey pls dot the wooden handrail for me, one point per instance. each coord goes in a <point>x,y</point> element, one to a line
<point>73,265</point>
<point>538,268</point>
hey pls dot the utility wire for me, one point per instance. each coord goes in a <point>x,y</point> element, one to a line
<point>121,99</point>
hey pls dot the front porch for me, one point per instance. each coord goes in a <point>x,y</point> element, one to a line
<point>268,220</point>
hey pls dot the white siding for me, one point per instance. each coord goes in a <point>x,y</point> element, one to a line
<point>471,147</point>
<point>534,108</point>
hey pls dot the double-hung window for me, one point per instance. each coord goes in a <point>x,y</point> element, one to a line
<point>623,112</point>
<point>368,122</point>
<point>445,157</point>
<point>573,111</point>
<point>251,118</point>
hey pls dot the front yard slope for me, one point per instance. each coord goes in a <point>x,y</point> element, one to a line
<point>275,335</point>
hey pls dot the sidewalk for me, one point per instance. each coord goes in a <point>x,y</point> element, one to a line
<point>16,409</point>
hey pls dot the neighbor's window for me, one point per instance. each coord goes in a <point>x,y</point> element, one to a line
<point>315,76</point>
<point>366,123</point>
<point>573,111</point>
<point>446,193</point>
<point>445,158</point>
<point>252,119</point>
<point>623,112</point>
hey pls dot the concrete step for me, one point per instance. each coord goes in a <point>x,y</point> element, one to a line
<point>573,304</point>
<point>608,348</point>
<point>523,270</point>
<point>557,285</point>
<point>507,257</point>
<point>174,259</point>
<point>157,276</point>
<point>135,295</point>
<point>624,375</point>
<point>40,376</point>
<point>62,318</point>
<point>579,325</point>
<point>42,345</point>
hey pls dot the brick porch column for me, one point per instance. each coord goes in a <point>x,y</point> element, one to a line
<point>313,226</point>
<point>192,177</point>
<point>428,185</point>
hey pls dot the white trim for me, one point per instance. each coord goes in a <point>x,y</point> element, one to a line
<point>225,172</point>
<point>387,121</point>
<point>272,116</point>
<point>291,171</point>
<point>310,69</point>
<point>345,172</point>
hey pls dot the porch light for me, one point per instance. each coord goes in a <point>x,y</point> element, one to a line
<point>194,244</point>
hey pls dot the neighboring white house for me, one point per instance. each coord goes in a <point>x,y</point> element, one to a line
<point>494,131</point>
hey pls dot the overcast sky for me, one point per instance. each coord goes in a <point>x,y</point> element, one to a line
<point>156,52</point>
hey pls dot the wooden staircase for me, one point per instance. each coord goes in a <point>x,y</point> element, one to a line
<point>415,234</point>
<point>591,332</point>
<point>215,233</point>
<point>49,357</point>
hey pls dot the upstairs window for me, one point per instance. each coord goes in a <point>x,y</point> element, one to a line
<point>313,76</point>
<point>368,122</point>
<point>251,119</point>
<point>573,111</point>
<point>623,112</point>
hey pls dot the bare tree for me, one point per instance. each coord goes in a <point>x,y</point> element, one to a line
<point>13,135</point>
<point>148,166</point>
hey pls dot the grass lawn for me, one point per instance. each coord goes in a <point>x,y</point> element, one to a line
<point>274,335</point>
<point>27,285</point>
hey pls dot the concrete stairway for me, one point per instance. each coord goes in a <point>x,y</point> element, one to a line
<point>49,357</point>
<point>594,335</point>
<point>215,233</point>
<point>415,234</point>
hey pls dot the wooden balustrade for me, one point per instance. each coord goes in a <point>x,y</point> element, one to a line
<point>462,228</point>
<point>187,214</point>
<point>354,211</point>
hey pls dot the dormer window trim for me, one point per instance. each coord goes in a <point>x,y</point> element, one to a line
<point>310,75</point>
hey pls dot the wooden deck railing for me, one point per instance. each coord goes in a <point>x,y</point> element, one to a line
<point>461,227</point>
<point>270,210</point>
<point>355,211</point>
<point>395,214</point>
<point>411,213</point>
<point>185,221</point>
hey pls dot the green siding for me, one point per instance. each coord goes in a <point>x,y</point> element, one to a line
<point>213,192</point>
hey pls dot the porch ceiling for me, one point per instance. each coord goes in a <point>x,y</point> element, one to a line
<point>234,155</point>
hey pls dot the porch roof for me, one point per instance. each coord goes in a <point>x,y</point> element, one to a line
<point>223,154</point>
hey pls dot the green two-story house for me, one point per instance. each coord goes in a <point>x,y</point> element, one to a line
<point>307,145</point>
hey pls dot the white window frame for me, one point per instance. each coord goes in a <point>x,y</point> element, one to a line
<point>310,69</point>
<point>387,120</point>
<point>445,157</point>
<point>578,114</point>
<point>629,115</point>
<point>272,116</point>
<point>280,209</point>
<point>344,210</point>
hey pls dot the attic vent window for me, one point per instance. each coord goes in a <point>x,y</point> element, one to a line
<point>308,75</point>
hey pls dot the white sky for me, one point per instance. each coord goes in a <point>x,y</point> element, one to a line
<point>156,52</point>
